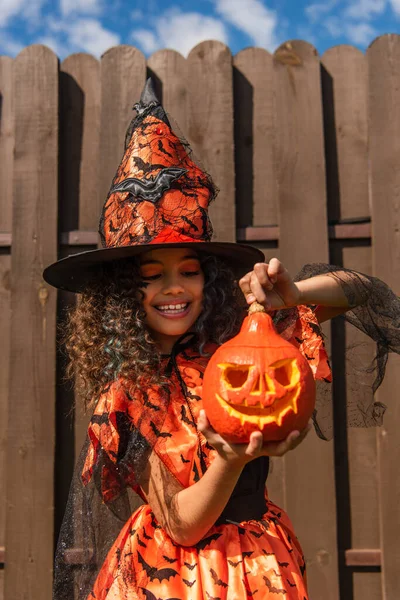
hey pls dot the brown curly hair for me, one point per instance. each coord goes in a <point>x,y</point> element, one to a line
<point>105,336</point>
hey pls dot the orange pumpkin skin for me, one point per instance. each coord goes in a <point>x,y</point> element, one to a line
<point>257,381</point>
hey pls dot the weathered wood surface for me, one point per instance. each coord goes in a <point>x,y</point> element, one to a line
<point>168,70</point>
<point>6,186</point>
<point>210,127</point>
<point>255,138</point>
<point>309,471</point>
<point>30,444</point>
<point>80,100</point>
<point>384,116</point>
<point>345,99</point>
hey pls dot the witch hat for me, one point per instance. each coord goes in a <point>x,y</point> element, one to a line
<point>159,197</point>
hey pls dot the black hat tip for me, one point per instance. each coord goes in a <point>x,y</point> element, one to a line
<point>148,94</point>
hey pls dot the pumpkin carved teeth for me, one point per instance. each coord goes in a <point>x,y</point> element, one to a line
<point>271,414</point>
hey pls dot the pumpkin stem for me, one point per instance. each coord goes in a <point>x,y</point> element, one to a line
<point>255,307</point>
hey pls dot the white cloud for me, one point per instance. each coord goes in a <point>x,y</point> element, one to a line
<point>87,7</point>
<point>9,45</point>
<point>91,36</point>
<point>29,11</point>
<point>361,34</point>
<point>251,17</point>
<point>334,26</point>
<point>352,21</point>
<point>147,40</point>
<point>9,9</point>
<point>87,35</point>
<point>365,10</point>
<point>180,31</point>
<point>395,6</point>
<point>317,10</point>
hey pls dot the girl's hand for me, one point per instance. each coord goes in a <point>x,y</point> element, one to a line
<point>240,454</point>
<point>271,285</point>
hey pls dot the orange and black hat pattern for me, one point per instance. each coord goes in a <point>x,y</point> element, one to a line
<point>159,194</point>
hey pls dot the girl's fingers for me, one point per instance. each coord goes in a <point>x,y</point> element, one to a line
<point>255,444</point>
<point>257,283</point>
<point>257,289</point>
<point>203,424</point>
<point>244,285</point>
<point>261,270</point>
<point>202,421</point>
<point>275,268</point>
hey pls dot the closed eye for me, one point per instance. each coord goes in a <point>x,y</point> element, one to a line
<point>191,273</point>
<point>151,277</point>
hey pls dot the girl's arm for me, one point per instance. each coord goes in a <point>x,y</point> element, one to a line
<point>272,286</point>
<point>187,514</point>
<point>326,292</point>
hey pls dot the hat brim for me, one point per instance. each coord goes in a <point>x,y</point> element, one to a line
<point>75,272</point>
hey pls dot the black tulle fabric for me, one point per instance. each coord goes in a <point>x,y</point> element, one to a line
<point>91,526</point>
<point>375,311</point>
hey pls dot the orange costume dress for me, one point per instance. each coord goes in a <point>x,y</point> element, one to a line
<point>251,557</point>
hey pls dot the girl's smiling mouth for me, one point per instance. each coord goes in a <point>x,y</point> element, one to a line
<point>174,310</point>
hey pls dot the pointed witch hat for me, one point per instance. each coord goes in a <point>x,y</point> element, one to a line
<point>159,197</point>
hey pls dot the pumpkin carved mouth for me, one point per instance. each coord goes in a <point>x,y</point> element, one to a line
<point>272,414</point>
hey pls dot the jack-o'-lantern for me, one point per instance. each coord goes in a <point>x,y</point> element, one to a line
<point>257,381</point>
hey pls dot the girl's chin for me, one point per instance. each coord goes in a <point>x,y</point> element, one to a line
<point>171,331</point>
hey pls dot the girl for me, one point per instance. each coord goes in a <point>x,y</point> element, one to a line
<point>155,304</point>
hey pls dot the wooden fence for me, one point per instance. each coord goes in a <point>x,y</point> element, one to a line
<point>305,150</point>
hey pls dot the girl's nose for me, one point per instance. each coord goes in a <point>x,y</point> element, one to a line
<point>173,286</point>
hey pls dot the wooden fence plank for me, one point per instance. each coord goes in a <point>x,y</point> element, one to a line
<point>123,74</point>
<point>6,142</point>
<point>210,130</point>
<point>255,138</point>
<point>384,72</point>
<point>30,448</point>
<point>304,238</point>
<point>80,94</point>
<point>79,173</point>
<point>344,79</point>
<point>345,99</point>
<point>6,178</point>
<point>168,71</point>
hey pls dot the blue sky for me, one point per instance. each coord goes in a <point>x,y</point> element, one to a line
<point>93,26</point>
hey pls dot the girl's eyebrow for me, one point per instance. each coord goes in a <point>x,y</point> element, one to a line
<point>151,261</point>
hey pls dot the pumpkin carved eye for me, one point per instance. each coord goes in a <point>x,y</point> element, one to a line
<point>235,376</point>
<point>258,381</point>
<point>286,372</point>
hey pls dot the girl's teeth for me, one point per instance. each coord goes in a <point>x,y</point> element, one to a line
<point>172,307</point>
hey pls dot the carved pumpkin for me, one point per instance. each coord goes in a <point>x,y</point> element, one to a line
<point>257,381</point>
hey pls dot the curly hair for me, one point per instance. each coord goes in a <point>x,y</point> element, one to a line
<point>105,335</point>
